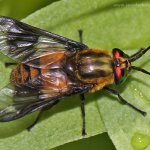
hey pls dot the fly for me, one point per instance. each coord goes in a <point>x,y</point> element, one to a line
<point>50,67</point>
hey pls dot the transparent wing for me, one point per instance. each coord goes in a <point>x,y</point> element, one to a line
<point>15,104</point>
<point>19,40</point>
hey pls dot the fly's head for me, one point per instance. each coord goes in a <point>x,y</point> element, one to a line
<point>122,64</point>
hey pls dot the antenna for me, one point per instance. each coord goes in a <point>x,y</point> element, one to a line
<point>138,54</point>
<point>140,69</point>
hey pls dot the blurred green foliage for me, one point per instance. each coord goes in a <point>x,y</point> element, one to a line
<point>21,8</point>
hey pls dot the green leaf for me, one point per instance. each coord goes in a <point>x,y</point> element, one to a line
<point>106,24</point>
<point>20,9</point>
<point>96,142</point>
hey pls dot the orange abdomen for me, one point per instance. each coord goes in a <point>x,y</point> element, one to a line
<point>20,74</point>
<point>46,75</point>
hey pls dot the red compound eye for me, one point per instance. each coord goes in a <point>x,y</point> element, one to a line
<point>117,69</point>
<point>117,55</point>
<point>118,72</point>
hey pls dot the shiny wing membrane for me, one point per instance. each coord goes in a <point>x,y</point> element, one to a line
<point>24,44</point>
<point>20,41</point>
<point>15,104</point>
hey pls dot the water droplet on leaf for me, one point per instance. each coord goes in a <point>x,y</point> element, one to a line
<point>140,141</point>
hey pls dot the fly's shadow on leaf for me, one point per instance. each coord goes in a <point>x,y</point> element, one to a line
<point>8,129</point>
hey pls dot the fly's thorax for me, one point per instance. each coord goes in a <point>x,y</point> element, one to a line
<point>70,64</point>
<point>94,66</point>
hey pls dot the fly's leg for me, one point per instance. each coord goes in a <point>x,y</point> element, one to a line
<point>36,120</point>
<point>82,98</point>
<point>123,101</point>
<point>80,35</point>
<point>7,64</point>
<point>40,114</point>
